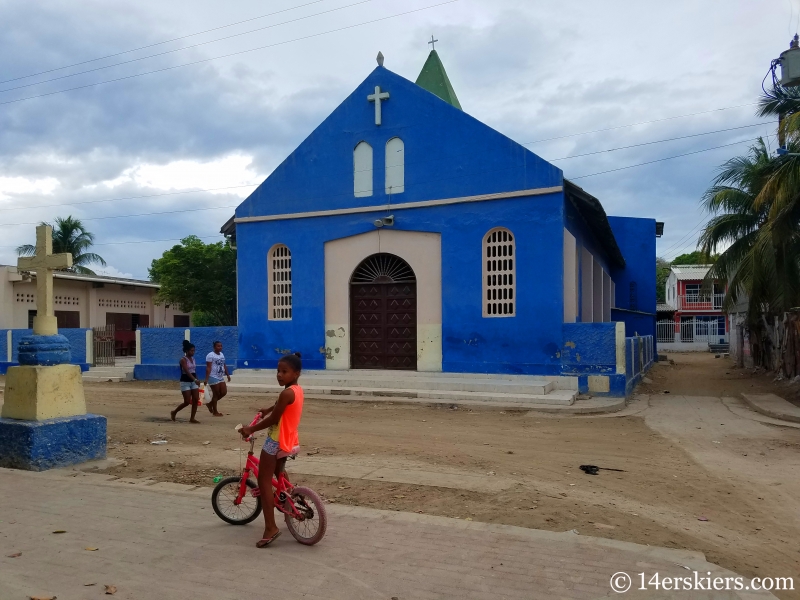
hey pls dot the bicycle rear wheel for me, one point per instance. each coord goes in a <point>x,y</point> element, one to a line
<point>309,529</point>
<point>224,496</point>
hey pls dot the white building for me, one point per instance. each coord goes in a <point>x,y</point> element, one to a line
<point>86,301</point>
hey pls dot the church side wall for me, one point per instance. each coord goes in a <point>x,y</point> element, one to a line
<point>636,282</point>
<point>526,343</point>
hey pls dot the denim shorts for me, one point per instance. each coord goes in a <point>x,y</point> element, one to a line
<point>271,446</point>
<point>214,381</point>
<point>187,386</point>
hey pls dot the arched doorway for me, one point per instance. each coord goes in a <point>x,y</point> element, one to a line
<point>383,314</point>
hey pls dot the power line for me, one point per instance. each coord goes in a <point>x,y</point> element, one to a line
<point>149,214</point>
<point>407,163</point>
<point>704,112</point>
<point>407,185</point>
<point>183,37</point>
<point>202,237</point>
<point>683,137</point>
<point>205,60</point>
<point>650,162</point>
<point>233,187</point>
<point>667,251</point>
<point>133,60</point>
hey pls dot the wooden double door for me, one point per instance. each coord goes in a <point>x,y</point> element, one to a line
<point>384,325</point>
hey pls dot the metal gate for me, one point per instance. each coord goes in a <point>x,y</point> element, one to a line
<point>104,346</point>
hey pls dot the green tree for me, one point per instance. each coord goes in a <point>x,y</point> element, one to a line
<point>759,257</point>
<point>70,236</point>
<point>662,274</point>
<point>200,278</point>
<point>693,258</point>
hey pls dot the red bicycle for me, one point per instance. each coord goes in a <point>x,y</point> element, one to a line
<point>236,500</point>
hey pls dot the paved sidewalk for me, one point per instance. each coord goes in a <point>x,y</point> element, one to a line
<point>157,541</point>
<point>773,406</point>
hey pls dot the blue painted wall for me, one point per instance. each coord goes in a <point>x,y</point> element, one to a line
<point>77,342</point>
<point>162,350</point>
<point>589,348</point>
<point>637,241</point>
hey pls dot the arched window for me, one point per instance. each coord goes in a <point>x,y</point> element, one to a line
<point>499,274</point>
<point>395,166</point>
<point>279,266</point>
<point>362,170</point>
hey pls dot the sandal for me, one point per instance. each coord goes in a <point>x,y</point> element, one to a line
<point>264,542</point>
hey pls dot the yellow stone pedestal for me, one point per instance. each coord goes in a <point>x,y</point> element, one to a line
<point>35,393</point>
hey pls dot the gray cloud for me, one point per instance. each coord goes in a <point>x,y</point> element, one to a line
<point>531,70</point>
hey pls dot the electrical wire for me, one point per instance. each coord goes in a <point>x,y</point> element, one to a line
<point>183,37</point>
<point>3,209</point>
<point>683,137</point>
<point>133,60</point>
<point>704,112</point>
<point>205,60</point>
<point>407,185</point>
<point>650,162</point>
<point>233,187</point>
<point>202,237</point>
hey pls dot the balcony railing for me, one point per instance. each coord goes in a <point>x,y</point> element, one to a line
<point>700,301</point>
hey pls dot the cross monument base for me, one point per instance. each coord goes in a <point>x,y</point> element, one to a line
<point>36,393</point>
<point>53,443</point>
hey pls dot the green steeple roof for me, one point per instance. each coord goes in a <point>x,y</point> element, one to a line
<point>434,79</point>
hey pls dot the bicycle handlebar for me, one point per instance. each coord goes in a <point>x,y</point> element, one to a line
<point>255,420</point>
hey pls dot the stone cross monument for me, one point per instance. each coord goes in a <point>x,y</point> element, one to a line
<point>44,423</point>
<point>43,262</point>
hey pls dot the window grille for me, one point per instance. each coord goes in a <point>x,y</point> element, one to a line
<point>280,283</point>
<point>499,280</point>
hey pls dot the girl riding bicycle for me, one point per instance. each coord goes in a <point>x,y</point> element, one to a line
<point>281,421</point>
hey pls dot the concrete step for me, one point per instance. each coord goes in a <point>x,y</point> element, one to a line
<point>534,386</point>
<point>554,397</point>
<point>105,374</point>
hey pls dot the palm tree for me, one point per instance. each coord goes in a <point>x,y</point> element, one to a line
<point>70,236</point>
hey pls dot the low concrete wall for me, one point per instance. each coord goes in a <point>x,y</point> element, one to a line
<point>160,350</point>
<point>9,347</point>
<point>605,361</point>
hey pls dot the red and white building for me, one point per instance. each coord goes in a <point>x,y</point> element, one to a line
<point>691,319</point>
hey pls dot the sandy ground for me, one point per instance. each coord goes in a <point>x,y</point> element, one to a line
<point>696,452</point>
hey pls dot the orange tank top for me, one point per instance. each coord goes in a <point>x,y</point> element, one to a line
<point>290,420</point>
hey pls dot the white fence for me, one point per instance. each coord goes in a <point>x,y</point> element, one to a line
<point>693,330</point>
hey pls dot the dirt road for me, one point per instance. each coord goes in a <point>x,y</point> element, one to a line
<point>684,459</point>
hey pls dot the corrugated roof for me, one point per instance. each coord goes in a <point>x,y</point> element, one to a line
<point>662,307</point>
<point>684,272</point>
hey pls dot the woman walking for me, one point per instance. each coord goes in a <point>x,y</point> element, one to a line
<point>189,382</point>
<point>216,372</point>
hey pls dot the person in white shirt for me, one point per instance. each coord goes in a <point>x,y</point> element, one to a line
<point>216,372</point>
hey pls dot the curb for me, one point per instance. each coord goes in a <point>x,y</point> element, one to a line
<point>770,413</point>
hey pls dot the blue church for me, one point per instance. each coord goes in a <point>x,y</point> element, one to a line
<point>405,234</point>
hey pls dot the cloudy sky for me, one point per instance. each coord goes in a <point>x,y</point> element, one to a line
<point>113,152</point>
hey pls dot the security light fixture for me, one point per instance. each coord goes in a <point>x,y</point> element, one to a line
<point>384,222</point>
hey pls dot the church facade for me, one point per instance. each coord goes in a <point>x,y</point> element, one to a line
<point>405,234</point>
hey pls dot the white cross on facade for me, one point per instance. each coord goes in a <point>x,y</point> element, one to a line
<point>43,262</point>
<point>377,97</point>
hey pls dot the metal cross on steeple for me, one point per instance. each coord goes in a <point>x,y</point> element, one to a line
<point>433,43</point>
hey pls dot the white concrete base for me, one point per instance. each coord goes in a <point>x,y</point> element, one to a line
<point>447,387</point>
<point>683,346</point>
<point>35,393</point>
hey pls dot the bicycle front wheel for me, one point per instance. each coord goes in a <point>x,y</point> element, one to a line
<point>310,527</point>
<point>223,500</point>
